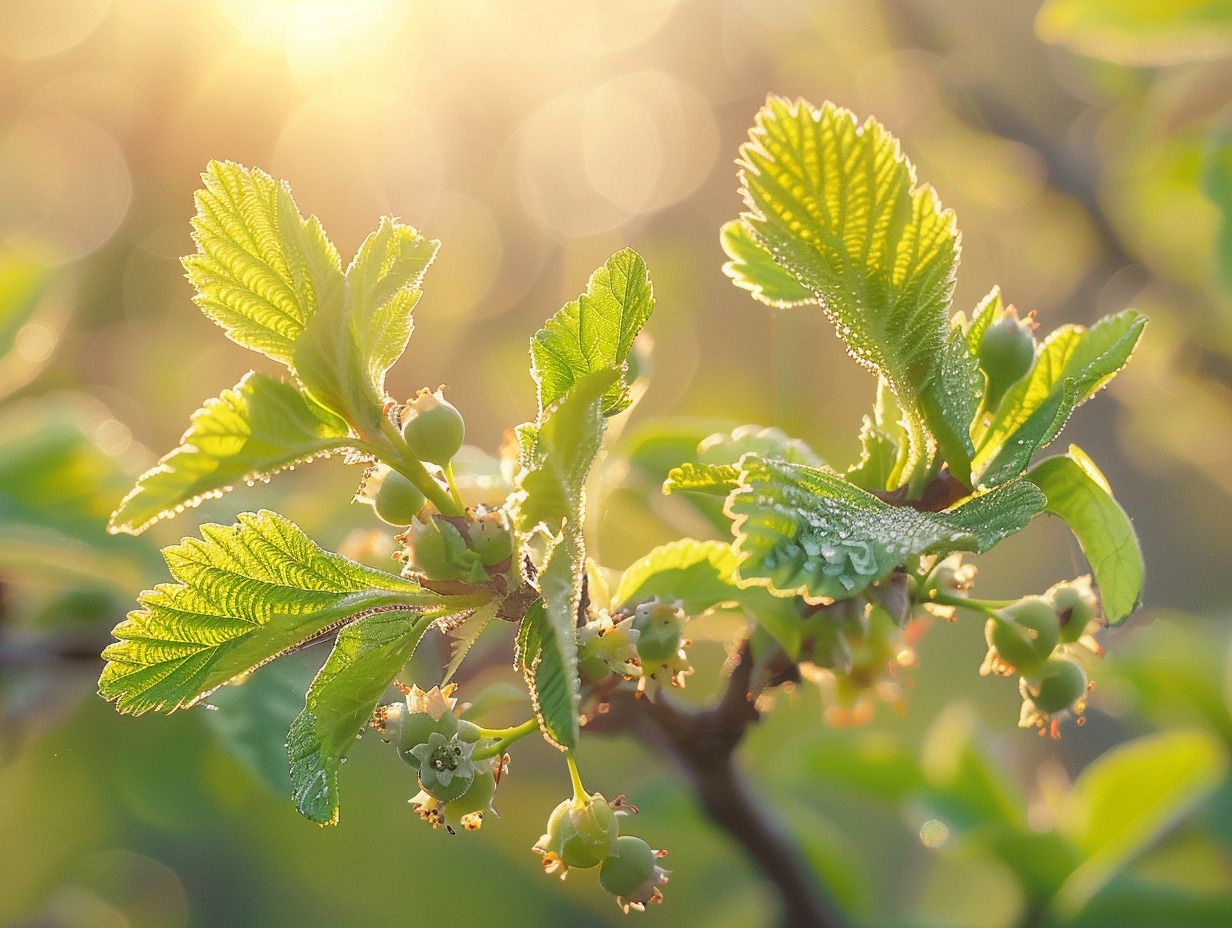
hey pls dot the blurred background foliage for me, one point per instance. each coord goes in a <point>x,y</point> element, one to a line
<point>1087,149</point>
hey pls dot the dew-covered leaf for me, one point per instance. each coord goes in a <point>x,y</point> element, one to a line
<point>594,332</point>
<point>256,429</point>
<point>1079,494</point>
<point>835,203</point>
<point>261,270</point>
<point>245,594</point>
<point>715,479</point>
<point>366,658</point>
<point>802,530</point>
<point>1072,364</point>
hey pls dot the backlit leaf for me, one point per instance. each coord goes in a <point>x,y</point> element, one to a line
<point>1079,494</point>
<point>258,428</point>
<point>594,332</point>
<point>835,203</point>
<point>246,593</point>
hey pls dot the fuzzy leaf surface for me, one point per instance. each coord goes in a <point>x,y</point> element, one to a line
<point>803,530</point>
<point>702,574</point>
<point>1073,363</point>
<point>366,658</point>
<point>261,269</point>
<point>753,268</point>
<point>594,332</point>
<point>245,594</point>
<point>835,204</point>
<point>345,352</point>
<point>256,429</point>
<point>715,479</point>
<point>1079,494</point>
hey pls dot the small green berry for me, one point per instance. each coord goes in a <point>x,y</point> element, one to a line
<point>1021,636</point>
<point>433,428</point>
<point>633,874</point>
<point>581,833</point>
<point>1061,683</point>
<point>1006,354</point>
<point>1077,606</point>
<point>398,500</point>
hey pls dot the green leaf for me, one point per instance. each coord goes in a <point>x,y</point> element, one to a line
<point>1073,363</point>
<point>702,574</point>
<point>804,531</point>
<point>258,428</point>
<point>261,270</point>
<point>836,205</point>
<point>547,646</point>
<point>559,456</point>
<point>715,479</point>
<point>1139,32</point>
<point>752,268</point>
<point>367,656</point>
<point>1079,494</point>
<point>730,447</point>
<point>246,593</point>
<point>594,332</point>
<point>1124,800</point>
<point>883,445</point>
<point>986,313</point>
<point>344,353</point>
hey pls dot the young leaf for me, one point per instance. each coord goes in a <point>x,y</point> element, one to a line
<point>836,205</point>
<point>559,456</point>
<point>1072,365</point>
<point>801,530</point>
<point>1079,494</point>
<point>702,574</point>
<point>344,353</point>
<point>262,270</point>
<point>883,445</point>
<point>367,656</point>
<point>594,332</point>
<point>730,447</point>
<point>752,268</point>
<point>715,479</point>
<point>547,646</point>
<point>246,593</point>
<point>1122,801</point>
<point>256,429</point>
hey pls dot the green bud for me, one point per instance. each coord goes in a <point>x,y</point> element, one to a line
<point>1006,353</point>
<point>581,833</point>
<point>397,500</point>
<point>1077,606</point>
<point>1021,636</point>
<point>660,628</point>
<point>633,874</point>
<point>1061,683</point>
<point>432,427</point>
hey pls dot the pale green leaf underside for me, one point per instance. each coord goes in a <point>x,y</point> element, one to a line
<point>835,204</point>
<point>246,593</point>
<point>1124,800</point>
<point>702,575</point>
<point>594,332</point>
<point>1072,364</point>
<point>252,431</point>
<point>1079,494</point>
<point>261,269</point>
<point>753,268</point>
<point>366,658</point>
<point>804,531</point>
<point>560,453</point>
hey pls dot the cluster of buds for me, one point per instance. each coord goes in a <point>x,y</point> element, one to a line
<point>607,646</point>
<point>1039,638</point>
<point>661,645</point>
<point>858,649</point>
<point>584,833</point>
<point>470,548</point>
<point>433,741</point>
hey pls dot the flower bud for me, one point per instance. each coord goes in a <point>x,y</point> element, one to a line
<point>1006,354</point>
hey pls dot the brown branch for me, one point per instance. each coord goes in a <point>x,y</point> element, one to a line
<point>702,743</point>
